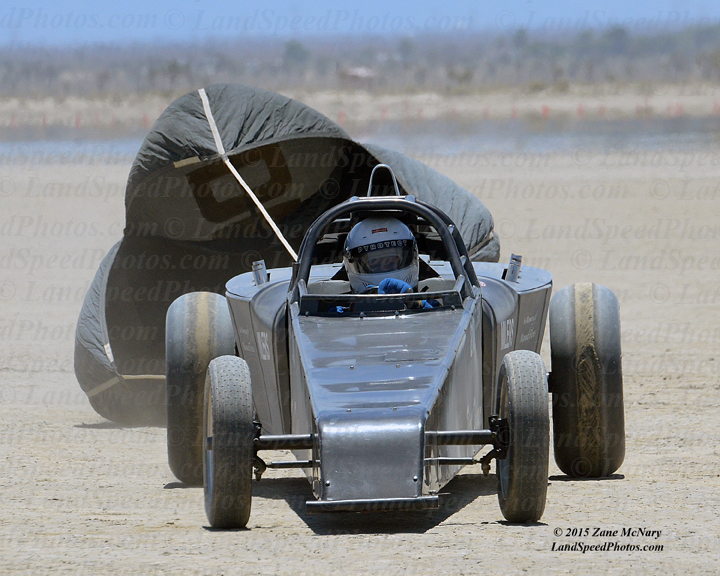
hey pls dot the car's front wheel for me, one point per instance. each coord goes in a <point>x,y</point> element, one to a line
<point>228,451</point>
<point>523,403</point>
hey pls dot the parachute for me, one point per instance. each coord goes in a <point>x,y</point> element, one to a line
<point>191,227</point>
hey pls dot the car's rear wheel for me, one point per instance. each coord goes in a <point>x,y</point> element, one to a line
<point>198,329</point>
<point>588,413</point>
<point>523,402</point>
<point>228,451</point>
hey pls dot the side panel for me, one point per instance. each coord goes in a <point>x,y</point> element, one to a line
<point>301,415</point>
<point>501,307</point>
<point>514,317</point>
<point>264,347</point>
<point>490,370</point>
<point>459,405</point>
<point>268,313</point>
<point>245,338</point>
<point>282,366</point>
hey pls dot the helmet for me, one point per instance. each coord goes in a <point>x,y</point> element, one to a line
<point>379,248</point>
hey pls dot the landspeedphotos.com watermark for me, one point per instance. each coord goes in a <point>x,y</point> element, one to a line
<point>600,539</point>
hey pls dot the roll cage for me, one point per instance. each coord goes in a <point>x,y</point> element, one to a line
<point>466,282</point>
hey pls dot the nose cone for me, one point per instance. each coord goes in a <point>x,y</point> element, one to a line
<point>371,453</point>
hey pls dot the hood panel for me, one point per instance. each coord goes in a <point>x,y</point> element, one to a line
<point>373,362</point>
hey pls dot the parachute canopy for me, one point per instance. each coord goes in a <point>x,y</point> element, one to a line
<point>190,226</point>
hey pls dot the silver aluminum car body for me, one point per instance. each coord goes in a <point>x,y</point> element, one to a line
<point>373,388</point>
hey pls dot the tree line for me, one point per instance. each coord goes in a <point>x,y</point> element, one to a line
<point>461,62</point>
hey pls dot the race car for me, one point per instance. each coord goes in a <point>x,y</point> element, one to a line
<point>383,400</point>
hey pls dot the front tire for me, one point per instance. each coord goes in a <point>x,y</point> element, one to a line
<point>229,448</point>
<point>198,329</point>
<point>588,413</point>
<point>523,402</point>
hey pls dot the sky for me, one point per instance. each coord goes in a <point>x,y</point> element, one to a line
<point>82,22</point>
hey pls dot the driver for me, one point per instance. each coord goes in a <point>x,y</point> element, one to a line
<point>381,251</point>
<point>381,254</point>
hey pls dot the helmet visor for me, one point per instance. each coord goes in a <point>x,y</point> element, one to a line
<point>382,257</point>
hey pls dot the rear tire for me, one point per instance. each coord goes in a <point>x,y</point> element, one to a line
<point>588,413</point>
<point>198,329</point>
<point>523,402</point>
<point>229,448</point>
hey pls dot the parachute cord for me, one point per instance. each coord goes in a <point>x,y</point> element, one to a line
<point>241,181</point>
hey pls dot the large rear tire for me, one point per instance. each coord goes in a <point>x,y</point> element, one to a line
<point>523,402</point>
<point>198,329</point>
<point>229,450</point>
<point>588,413</point>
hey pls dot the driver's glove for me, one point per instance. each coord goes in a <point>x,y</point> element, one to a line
<point>393,286</point>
